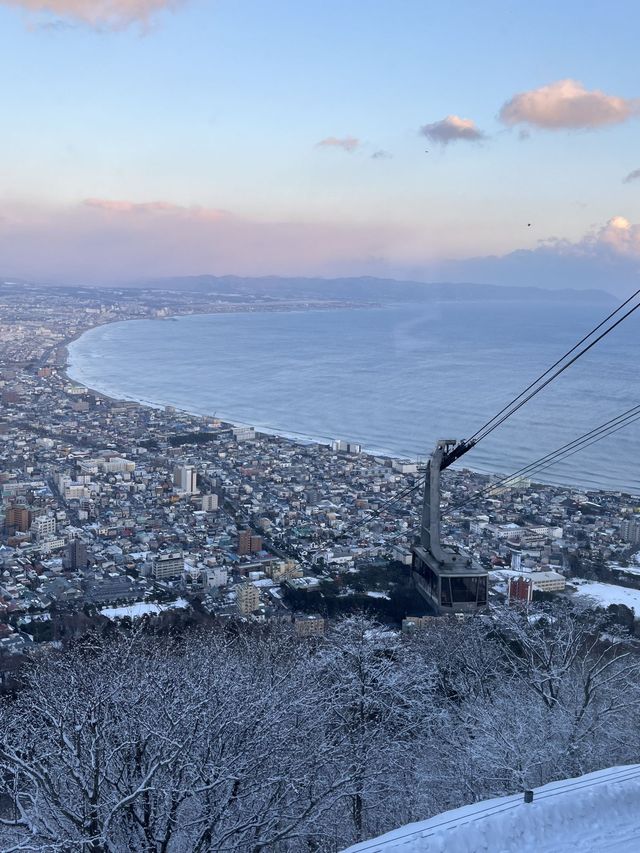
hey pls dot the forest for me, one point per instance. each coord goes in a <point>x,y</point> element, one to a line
<point>251,739</point>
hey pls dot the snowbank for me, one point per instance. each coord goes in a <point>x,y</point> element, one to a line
<point>605,594</point>
<point>591,814</point>
<point>142,608</point>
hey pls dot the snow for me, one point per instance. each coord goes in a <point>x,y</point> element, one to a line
<point>627,570</point>
<point>596,813</point>
<point>142,608</point>
<point>605,594</point>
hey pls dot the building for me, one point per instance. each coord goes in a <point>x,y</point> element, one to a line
<point>168,566</point>
<point>185,478</point>
<point>116,465</point>
<point>309,625</point>
<point>43,527</point>
<point>241,433</point>
<point>411,624</point>
<point>215,577</point>
<point>340,446</point>
<point>404,467</point>
<point>75,557</point>
<point>548,581</point>
<point>17,520</point>
<point>520,590</point>
<point>248,598</point>
<point>209,503</point>
<point>630,531</point>
<point>248,543</point>
<point>244,543</point>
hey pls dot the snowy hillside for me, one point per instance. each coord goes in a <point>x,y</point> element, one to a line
<point>596,813</point>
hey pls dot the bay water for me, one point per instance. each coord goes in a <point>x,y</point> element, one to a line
<point>394,379</point>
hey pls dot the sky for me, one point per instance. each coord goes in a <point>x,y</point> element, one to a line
<point>495,142</point>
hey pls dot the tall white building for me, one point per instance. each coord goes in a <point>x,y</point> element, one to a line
<point>185,479</point>
<point>209,503</point>
<point>43,527</point>
<point>168,566</point>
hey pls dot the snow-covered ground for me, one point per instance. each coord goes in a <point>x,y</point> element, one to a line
<point>142,608</point>
<point>605,594</point>
<point>596,813</point>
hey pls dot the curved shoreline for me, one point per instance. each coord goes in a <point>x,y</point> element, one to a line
<point>272,432</point>
<point>280,432</point>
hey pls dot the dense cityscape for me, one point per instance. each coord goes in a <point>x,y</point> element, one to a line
<point>116,512</point>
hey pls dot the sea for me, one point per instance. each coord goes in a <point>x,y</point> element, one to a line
<point>394,379</point>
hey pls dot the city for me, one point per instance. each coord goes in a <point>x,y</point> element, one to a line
<point>113,510</point>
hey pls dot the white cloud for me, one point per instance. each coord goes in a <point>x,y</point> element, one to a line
<point>566,104</point>
<point>346,143</point>
<point>451,129</point>
<point>112,14</point>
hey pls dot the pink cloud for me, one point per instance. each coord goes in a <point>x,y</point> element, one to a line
<point>105,240</point>
<point>452,129</point>
<point>112,14</point>
<point>566,104</point>
<point>346,143</point>
<point>151,207</point>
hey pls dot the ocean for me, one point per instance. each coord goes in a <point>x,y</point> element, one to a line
<point>394,379</point>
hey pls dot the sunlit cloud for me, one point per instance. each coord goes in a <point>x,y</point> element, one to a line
<point>452,129</point>
<point>154,207</point>
<point>606,258</point>
<point>101,240</point>
<point>110,14</point>
<point>566,104</point>
<point>632,176</point>
<point>346,143</point>
<point>112,240</point>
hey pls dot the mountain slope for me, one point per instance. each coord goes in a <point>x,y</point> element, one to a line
<point>596,813</point>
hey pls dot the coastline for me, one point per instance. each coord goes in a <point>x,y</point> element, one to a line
<point>240,308</point>
<point>279,433</point>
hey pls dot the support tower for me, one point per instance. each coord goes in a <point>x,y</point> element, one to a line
<point>447,577</point>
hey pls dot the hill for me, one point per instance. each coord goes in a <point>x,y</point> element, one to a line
<point>364,289</point>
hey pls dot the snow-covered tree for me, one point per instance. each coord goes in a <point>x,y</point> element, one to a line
<point>224,741</point>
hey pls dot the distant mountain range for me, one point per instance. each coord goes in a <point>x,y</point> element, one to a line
<point>363,289</point>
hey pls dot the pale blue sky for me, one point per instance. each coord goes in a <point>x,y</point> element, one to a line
<point>221,104</point>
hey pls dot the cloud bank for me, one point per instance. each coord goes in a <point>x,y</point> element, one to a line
<point>567,105</point>
<point>452,129</point>
<point>112,14</point>
<point>112,240</point>
<point>607,258</point>
<point>346,143</point>
<point>103,240</point>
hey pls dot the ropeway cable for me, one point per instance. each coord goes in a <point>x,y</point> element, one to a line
<point>518,402</point>
<point>560,454</point>
<point>594,435</point>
